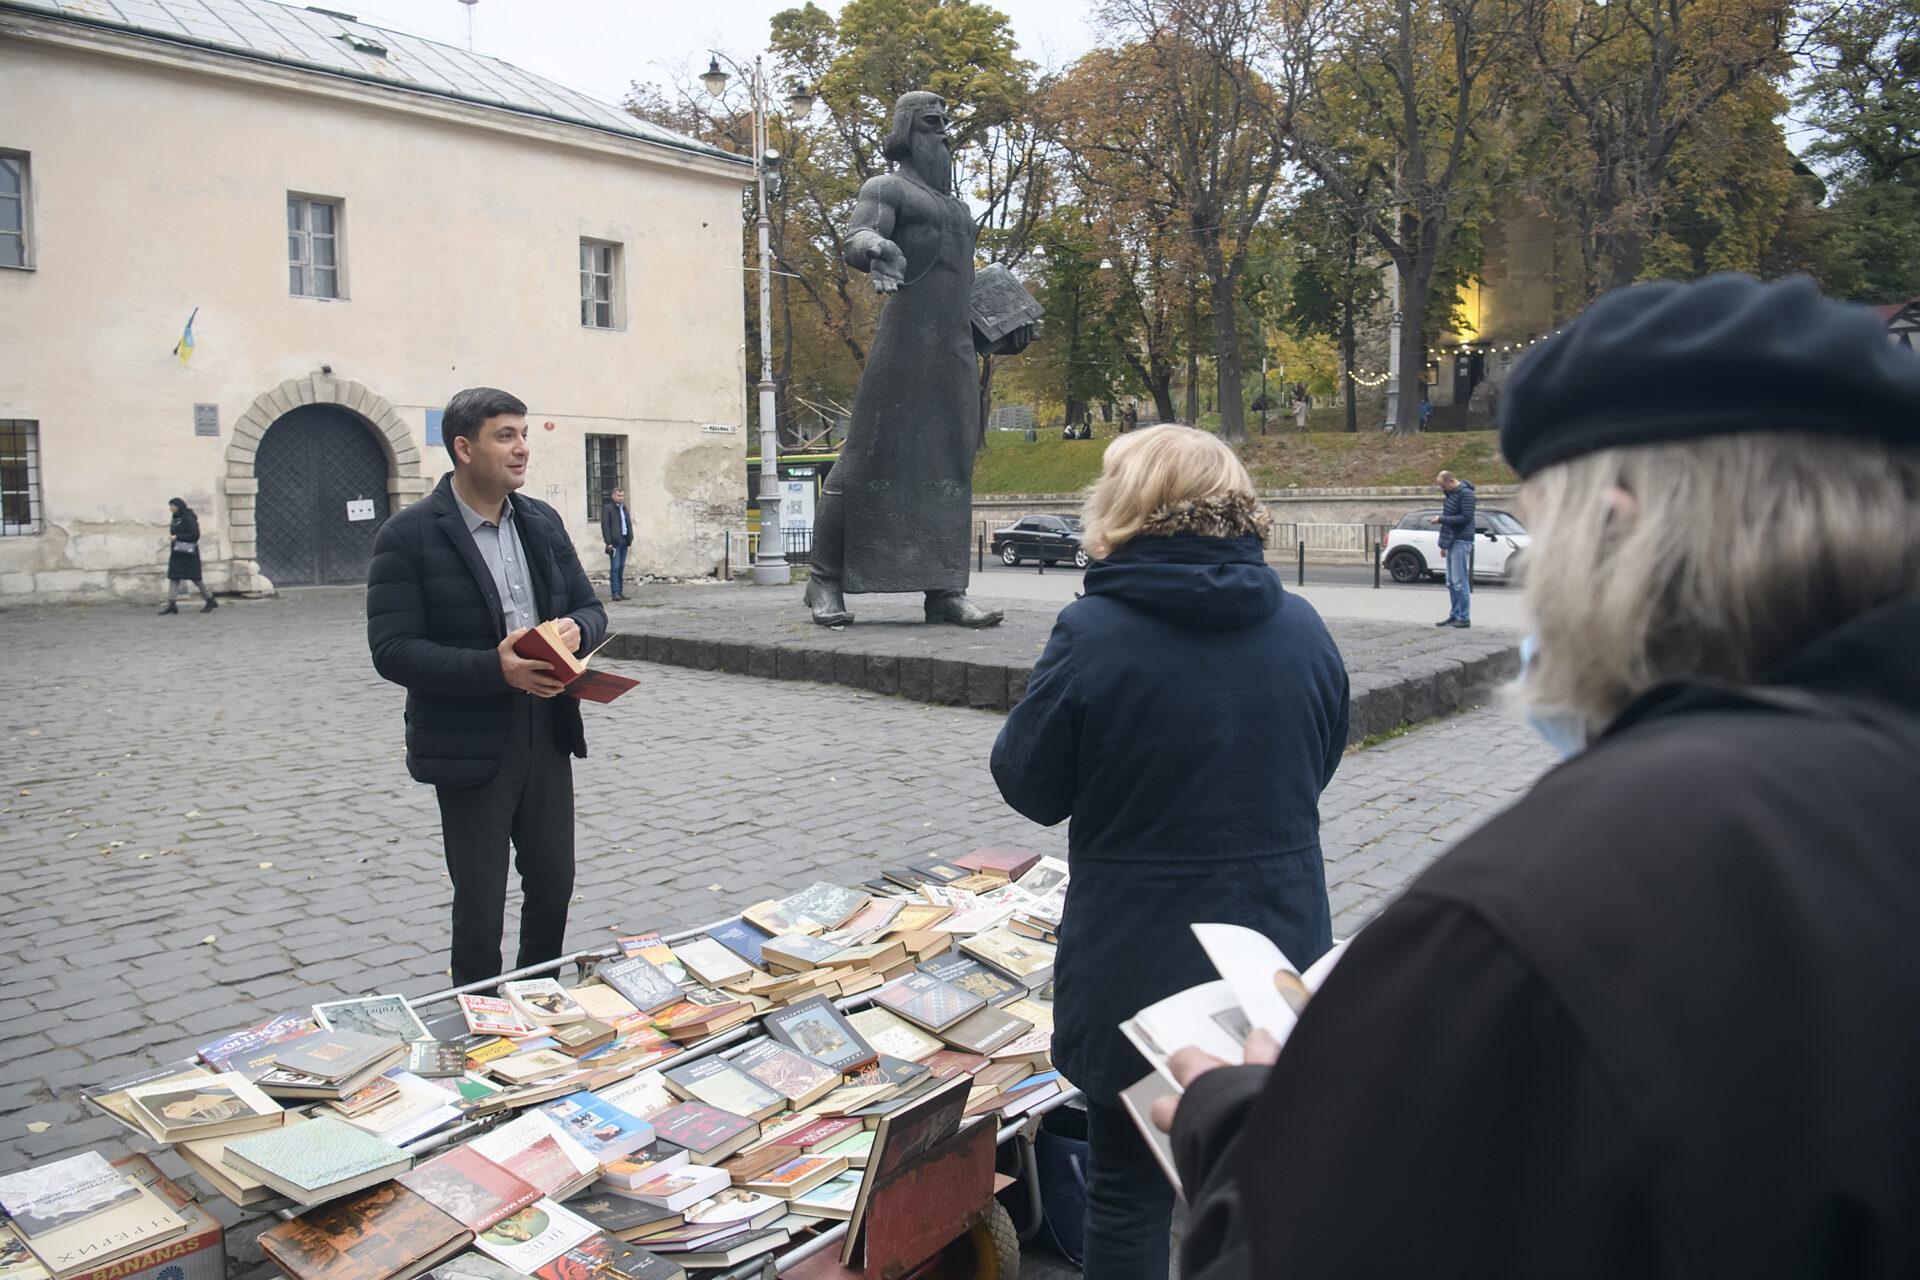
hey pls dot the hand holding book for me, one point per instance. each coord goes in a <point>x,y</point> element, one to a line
<point>542,661</point>
<point>1189,1064</point>
<point>529,675</point>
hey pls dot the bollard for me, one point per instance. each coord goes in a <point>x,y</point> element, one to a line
<point>1303,564</point>
<point>1376,566</point>
<point>980,540</point>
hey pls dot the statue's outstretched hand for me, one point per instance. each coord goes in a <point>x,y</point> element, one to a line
<point>1017,340</point>
<point>888,267</point>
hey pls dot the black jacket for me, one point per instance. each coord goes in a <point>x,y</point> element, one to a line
<point>1661,1018</point>
<point>610,534</point>
<point>1186,714</point>
<point>1456,516</point>
<point>184,566</point>
<point>434,624</point>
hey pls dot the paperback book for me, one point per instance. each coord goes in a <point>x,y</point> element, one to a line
<point>647,987</point>
<point>386,1233</point>
<point>604,1130</point>
<point>469,1188</point>
<point>719,1083</point>
<point>387,1017</point>
<point>215,1107</point>
<point>819,1030</point>
<point>534,1236</point>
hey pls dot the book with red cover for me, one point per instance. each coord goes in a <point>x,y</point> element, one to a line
<point>1015,862</point>
<point>601,1257</point>
<point>543,644</point>
<point>383,1232</point>
<point>709,1134</point>
<point>468,1187</point>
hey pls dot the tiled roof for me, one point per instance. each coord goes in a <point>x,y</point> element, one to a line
<point>326,40</point>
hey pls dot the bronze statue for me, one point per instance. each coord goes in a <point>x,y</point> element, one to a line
<point>896,511</point>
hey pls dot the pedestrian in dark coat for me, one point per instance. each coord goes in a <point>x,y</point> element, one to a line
<point>183,556</point>
<point>1662,1017</point>
<point>1185,715</point>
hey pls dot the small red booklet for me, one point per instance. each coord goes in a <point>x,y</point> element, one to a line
<point>543,644</point>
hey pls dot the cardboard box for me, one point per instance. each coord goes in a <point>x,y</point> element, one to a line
<point>200,1254</point>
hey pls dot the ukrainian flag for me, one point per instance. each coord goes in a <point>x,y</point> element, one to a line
<point>184,347</point>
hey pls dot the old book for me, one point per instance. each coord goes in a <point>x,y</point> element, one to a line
<point>542,1000</point>
<point>926,1001</point>
<point>854,1148</point>
<point>492,1016</point>
<point>644,1094</point>
<point>384,1089</point>
<point>576,1039</point>
<point>755,1161</point>
<point>876,918</point>
<point>925,944</point>
<point>970,975</point>
<point>817,1135</point>
<point>916,917</point>
<point>708,1133</point>
<point>602,1256</point>
<point>637,1168</point>
<point>206,1158</point>
<point>388,1017</point>
<point>653,948</point>
<point>718,1082</point>
<point>543,644</point>
<point>534,1149</point>
<point>710,962</point>
<point>1043,877</point>
<point>817,1029</point>
<point>111,1099</point>
<point>677,1188</point>
<point>829,905</point>
<point>901,1137</point>
<point>773,917</point>
<point>893,1036</point>
<point>437,1059</point>
<point>95,1241</point>
<point>471,1264</point>
<point>998,304</point>
<point>1010,863</point>
<point>386,1233</point>
<point>982,881</point>
<point>16,1260</point>
<point>602,1002</point>
<point>620,1215</point>
<point>888,1070</point>
<point>792,1075</point>
<point>798,1176</point>
<point>469,1188</point>
<point>250,1052</point>
<point>939,871</point>
<point>1035,1048</point>
<point>637,978</point>
<point>850,1098</point>
<point>949,1064</point>
<point>740,938</point>
<point>833,1198</point>
<point>530,1065</point>
<point>60,1192</point>
<point>857,981</point>
<point>985,1031</point>
<point>735,1207</point>
<point>606,1131</point>
<point>797,952</point>
<point>533,1237</point>
<point>320,1160</point>
<point>1024,958</point>
<point>737,1248</point>
<point>337,1055</point>
<point>1027,927</point>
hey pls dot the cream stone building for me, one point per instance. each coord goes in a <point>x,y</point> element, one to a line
<point>359,223</point>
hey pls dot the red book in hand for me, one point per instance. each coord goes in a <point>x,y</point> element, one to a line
<point>543,644</point>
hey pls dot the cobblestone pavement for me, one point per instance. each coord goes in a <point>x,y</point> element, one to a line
<point>206,821</point>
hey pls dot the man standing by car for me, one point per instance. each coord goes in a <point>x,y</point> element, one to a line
<point>1456,544</point>
<point>456,579</point>
<point>616,530</point>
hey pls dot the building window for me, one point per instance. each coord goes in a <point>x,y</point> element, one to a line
<point>19,477</point>
<point>14,248</point>
<point>599,287</point>
<point>313,247</point>
<point>606,471</point>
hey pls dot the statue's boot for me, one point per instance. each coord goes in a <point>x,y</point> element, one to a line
<point>954,607</point>
<point>824,598</point>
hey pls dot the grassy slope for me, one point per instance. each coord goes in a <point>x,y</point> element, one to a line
<point>1314,461</point>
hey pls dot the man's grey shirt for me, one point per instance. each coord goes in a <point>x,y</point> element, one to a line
<point>506,558</point>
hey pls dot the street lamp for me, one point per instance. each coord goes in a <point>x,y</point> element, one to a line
<point>770,566</point>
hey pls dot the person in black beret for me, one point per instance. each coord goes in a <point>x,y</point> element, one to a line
<point>1662,1016</point>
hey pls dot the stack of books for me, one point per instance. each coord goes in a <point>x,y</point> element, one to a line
<point>82,1213</point>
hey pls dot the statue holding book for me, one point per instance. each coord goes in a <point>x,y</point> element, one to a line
<point>896,512</point>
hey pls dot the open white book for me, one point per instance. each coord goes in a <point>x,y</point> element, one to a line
<point>1258,987</point>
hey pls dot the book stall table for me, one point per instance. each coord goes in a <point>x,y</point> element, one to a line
<point>929,1136</point>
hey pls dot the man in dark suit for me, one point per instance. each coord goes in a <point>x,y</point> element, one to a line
<point>456,579</point>
<point>616,530</point>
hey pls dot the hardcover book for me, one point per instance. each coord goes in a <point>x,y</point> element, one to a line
<point>774,917</point>
<point>436,1059</point>
<point>206,1157</point>
<point>740,938</point>
<point>469,1188</point>
<point>971,976</point>
<point>319,1160</point>
<point>250,1052</point>
<point>790,1074</point>
<point>16,1260</point>
<point>533,1149</point>
<point>387,1017</point>
<point>215,1107</point>
<point>828,905</point>
<point>530,1065</point>
<point>936,871</point>
<point>654,1160</point>
<point>619,1215</point>
<point>709,1134</point>
<point>533,1237</point>
<point>718,1082</point>
<point>833,1198</point>
<point>985,1031</point>
<point>654,950</point>
<point>798,951</point>
<point>337,1055</point>
<point>63,1191</point>
<point>798,1176</point>
<point>90,1244</point>
<point>636,978</point>
<point>644,1094</point>
<point>818,1135</point>
<point>1010,863</point>
<point>735,1207</point>
<point>112,1099</point>
<point>577,1039</point>
<point>492,1016</point>
<point>603,1257</point>
<point>1007,951</point>
<point>606,1131</point>
<point>542,1000</point>
<point>381,1234</point>
<point>675,1190</point>
<point>817,1029</point>
<point>901,1137</point>
<point>543,644</point>
<point>603,1003</point>
<point>923,999</point>
<point>998,304</point>
<point>736,1249</point>
<point>710,962</point>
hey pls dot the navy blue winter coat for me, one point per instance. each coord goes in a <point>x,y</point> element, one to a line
<point>1186,715</point>
<point>1456,516</point>
<point>434,625</point>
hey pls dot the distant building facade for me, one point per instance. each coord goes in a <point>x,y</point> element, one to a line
<point>359,224</point>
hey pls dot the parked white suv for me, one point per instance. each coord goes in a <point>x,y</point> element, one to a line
<point>1412,552</point>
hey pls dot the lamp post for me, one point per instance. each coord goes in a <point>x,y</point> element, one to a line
<point>770,566</point>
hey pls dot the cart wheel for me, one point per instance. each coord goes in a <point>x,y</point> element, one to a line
<point>996,1246</point>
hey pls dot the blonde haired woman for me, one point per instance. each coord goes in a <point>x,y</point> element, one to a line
<point>1662,1016</point>
<point>1186,714</point>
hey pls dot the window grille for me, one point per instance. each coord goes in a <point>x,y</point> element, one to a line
<point>19,478</point>
<point>606,471</point>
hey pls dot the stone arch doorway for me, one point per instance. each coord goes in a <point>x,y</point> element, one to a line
<point>322,496</point>
<point>376,421</point>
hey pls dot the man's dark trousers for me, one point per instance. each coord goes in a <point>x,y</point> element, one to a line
<point>530,803</point>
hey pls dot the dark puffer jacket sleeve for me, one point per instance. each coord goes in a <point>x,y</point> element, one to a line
<point>1036,757</point>
<point>583,606</point>
<point>397,624</point>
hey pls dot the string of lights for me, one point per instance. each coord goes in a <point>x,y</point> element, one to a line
<point>1362,380</point>
<point>1467,346</point>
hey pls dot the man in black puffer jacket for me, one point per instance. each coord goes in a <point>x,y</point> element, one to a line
<point>457,578</point>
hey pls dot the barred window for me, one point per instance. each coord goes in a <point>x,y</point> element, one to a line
<point>313,247</point>
<point>19,477</point>
<point>606,471</point>
<point>599,286</point>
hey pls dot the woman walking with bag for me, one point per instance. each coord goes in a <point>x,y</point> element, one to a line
<point>183,561</point>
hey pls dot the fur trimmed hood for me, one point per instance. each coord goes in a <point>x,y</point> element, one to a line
<point>1226,515</point>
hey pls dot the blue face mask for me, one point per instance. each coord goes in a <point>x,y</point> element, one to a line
<point>1561,730</point>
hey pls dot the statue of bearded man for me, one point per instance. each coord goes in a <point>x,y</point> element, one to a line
<point>896,512</point>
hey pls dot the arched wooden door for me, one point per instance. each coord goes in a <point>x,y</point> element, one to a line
<point>323,496</point>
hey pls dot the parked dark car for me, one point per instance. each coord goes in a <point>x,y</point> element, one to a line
<point>1048,539</point>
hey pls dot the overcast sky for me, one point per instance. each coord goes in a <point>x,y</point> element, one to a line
<point>600,46</point>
